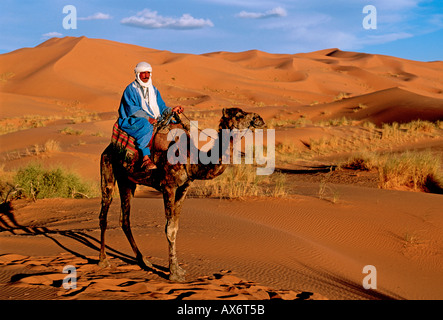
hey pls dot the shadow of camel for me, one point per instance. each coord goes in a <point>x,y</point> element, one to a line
<point>308,170</point>
<point>8,223</point>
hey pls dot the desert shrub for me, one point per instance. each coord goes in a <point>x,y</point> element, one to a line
<point>368,125</point>
<point>341,96</point>
<point>5,187</point>
<point>392,131</point>
<point>239,181</point>
<point>416,126</point>
<point>84,116</point>
<point>277,185</point>
<point>360,106</point>
<point>282,123</point>
<point>71,131</point>
<point>419,171</point>
<point>6,183</point>
<point>365,161</point>
<point>8,125</point>
<point>286,148</point>
<point>5,76</point>
<point>343,121</point>
<point>37,182</point>
<point>336,122</point>
<point>51,146</point>
<point>324,145</point>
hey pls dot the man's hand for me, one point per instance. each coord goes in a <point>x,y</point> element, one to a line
<point>178,109</point>
<point>152,121</point>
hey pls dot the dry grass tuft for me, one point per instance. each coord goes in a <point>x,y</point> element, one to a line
<point>412,170</point>
<point>9,125</point>
<point>288,123</point>
<point>343,121</point>
<point>70,131</point>
<point>371,138</point>
<point>365,161</point>
<point>341,96</point>
<point>5,76</point>
<point>240,181</point>
<point>51,146</point>
<point>419,171</point>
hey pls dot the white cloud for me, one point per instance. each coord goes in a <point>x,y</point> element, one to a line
<point>240,3</point>
<point>273,13</point>
<point>383,38</point>
<point>52,34</point>
<point>96,16</point>
<point>152,20</point>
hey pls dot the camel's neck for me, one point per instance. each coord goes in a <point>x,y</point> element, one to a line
<point>213,162</point>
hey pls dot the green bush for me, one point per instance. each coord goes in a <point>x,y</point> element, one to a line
<point>36,182</point>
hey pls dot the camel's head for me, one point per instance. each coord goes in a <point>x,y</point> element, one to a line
<point>235,118</point>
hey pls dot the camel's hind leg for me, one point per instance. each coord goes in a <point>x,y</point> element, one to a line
<point>127,188</point>
<point>107,186</point>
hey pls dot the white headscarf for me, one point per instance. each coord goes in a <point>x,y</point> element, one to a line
<point>151,98</point>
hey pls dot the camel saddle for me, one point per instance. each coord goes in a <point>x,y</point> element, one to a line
<point>130,154</point>
<point>125,147</point>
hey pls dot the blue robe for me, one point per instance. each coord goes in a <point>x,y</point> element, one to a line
<point>133,119</point>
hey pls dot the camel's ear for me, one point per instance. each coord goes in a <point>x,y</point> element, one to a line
<point>224,113</point>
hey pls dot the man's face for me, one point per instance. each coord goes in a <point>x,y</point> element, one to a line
<point>144,76</point>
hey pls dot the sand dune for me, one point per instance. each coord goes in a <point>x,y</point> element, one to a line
<point>243,79</point>
<point>302,246</point>
<point>385,106</point>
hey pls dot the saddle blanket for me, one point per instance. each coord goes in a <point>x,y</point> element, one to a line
<point>124,142</point>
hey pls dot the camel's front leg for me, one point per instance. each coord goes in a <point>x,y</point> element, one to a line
<point>176,272</point>
<point>172,211</point>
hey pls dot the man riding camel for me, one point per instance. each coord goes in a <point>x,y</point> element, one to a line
<point>140,108</point>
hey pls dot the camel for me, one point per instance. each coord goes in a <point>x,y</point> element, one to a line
<point>172,180</point>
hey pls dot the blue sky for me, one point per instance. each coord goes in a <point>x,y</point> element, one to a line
<point>411,29</point>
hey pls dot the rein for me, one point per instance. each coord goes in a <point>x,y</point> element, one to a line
<point>201,131</point>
